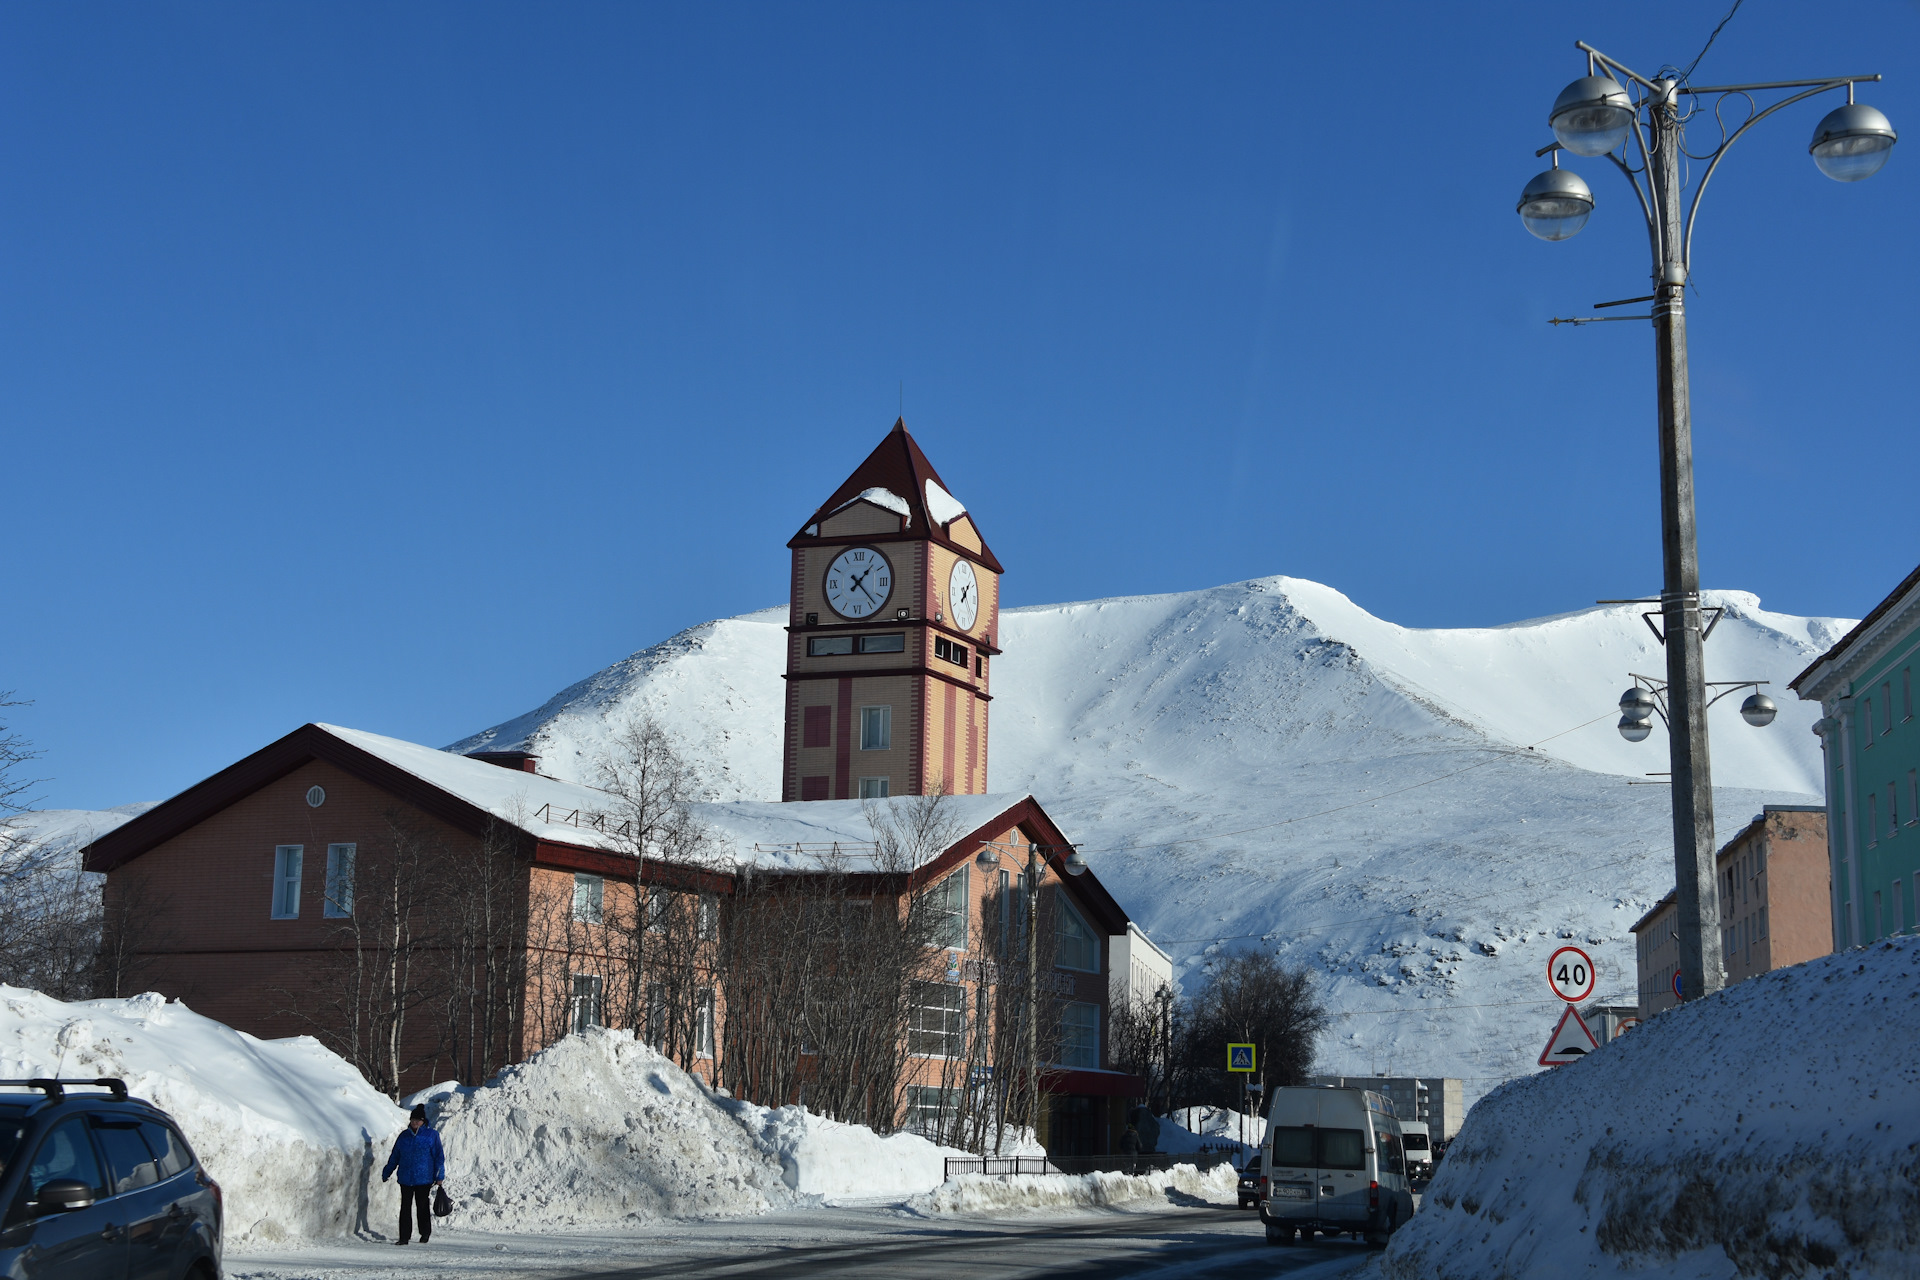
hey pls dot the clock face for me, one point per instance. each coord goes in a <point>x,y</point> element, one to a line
<point>963,595</point>
<point>858,582</point>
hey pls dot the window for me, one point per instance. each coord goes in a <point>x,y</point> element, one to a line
<point>66,1153</point>
<point>1006,914</point>
<point>895,642</point>
<point>928,1108</point>
<point>828,646</point>
<point>1886,696</point>
<point>1906,693</point>
<point>979,666</point>
<point>286,881</point>
<point>876,728</point>
<point>1879,919</point>
<point>875,788</point>
<point>339,904</point>
<point>656,1014</point>
<point>948,900</point>
<point>1913,796</point>
<point>1866,722</point>
<point>1893,811</point>
<point>708,927</point>
<point>1293,1148</point>
<point>948,651</point>
<point>1897,920</point>
<point>1390,1158</point>
<point>586,897</point>
<point>169,1150</point>
<point>129,1163</point>
<point>937,1023</point>
<point>1078,947</point>
<point>1342,1149</point>
<point>1080,1035</point>
<point>816,727</point>
<point>1873,821</point>
<point>659,910</point>
<point>584,1006</point>
<point>703,1028</point>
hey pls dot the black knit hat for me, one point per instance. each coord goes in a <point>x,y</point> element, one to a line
<point>419,1112</point>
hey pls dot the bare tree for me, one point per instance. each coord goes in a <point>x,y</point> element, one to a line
<point>1250,998</point>
<point>15,752</point>
<point>49,916</point>
<point>483,922</point>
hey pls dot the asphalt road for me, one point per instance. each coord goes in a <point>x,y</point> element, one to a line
<point>1184,1242</point>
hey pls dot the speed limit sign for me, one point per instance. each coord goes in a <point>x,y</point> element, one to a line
<point>1570,974</point>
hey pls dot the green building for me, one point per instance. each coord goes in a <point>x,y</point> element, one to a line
<point>1864,686</point>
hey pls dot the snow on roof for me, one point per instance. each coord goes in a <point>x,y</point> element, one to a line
<point>880,497</point>
<point>943,506</point>
<point>770,834</point>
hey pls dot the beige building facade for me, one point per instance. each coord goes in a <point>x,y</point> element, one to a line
<point>1774,905</point>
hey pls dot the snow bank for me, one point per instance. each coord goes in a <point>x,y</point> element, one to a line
<point>604,1128</point>
<point>977,1193</point>
<point>1768,1130</point>
<point>598,1128</point>
<point>836,1161</point>
<point>292,1133</point>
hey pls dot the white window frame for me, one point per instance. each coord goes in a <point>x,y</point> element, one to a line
<point>1074,1054</point>
<point>950,1029</point>
<point>928,1107</point>
<point>286,881</point>
<point>875,788</point>
<point>1071,918</point>
<point>952,903</point>
<point>584,1002</point>
<point>706,925</point>
<point>589,897</point>
<point>339,895</point>
<point>882,718</point>
<point>703,1026</point>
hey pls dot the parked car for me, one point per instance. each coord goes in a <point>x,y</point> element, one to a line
<point>1334,1163</point>
<point>1253,1181</point>
<point>97,1185</point>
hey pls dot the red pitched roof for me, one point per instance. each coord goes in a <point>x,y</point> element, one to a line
<point>898,466</point>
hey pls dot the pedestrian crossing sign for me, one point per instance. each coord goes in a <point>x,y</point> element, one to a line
<point>1240,1057</point>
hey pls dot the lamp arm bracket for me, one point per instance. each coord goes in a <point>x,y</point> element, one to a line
<point>1829,82</point>
<point>1720,152</point>
<point>1732,686</point>
<point>1622,68</point>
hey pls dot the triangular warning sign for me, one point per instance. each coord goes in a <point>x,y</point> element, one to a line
<point>1570,1042</point>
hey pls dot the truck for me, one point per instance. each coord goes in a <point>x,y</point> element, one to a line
<point>1419,1144</point>
<point>1335,1162</point>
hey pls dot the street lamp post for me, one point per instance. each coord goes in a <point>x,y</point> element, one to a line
<point>1598,115</point>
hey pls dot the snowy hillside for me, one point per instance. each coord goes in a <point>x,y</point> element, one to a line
<point>1417,813</point>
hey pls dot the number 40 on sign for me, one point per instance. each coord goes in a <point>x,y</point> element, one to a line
<point>1570,974</point>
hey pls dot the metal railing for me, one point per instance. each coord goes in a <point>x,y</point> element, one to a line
<point>1145,1162</point>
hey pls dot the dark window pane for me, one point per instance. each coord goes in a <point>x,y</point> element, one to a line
<point>817,727</point>
<point>66,1153</point>
<point>1343,1149</point>
<point>896,643</point>
<point>168,1146</point>
<point>129,1162</point>
<point>826,646</point>
<point>1292,1148</point>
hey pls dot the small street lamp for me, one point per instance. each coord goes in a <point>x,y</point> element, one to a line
<point>1647,698</point>
<point>1639,125</point>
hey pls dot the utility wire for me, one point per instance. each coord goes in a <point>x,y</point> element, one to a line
<point>1688,73</point>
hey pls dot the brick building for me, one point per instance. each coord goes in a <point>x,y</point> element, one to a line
<point>1774,905</point>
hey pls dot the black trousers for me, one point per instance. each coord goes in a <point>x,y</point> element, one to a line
<point>421,1200</point>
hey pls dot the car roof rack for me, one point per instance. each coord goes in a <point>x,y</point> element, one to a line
<point>56,1090</point>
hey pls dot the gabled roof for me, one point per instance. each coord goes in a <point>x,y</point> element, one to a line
<point>896,476</point>
<point>1831,658</point>
<point>469,794</point>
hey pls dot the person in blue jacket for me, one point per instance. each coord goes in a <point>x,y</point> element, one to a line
<point>422,1163</point>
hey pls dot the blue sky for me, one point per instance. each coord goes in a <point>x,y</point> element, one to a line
<point>397,365</point>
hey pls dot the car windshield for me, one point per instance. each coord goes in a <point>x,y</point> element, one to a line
<point>1416,1141</point>
<point>10,1131</point>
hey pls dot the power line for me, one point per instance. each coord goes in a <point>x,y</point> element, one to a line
<point>1688,73</point>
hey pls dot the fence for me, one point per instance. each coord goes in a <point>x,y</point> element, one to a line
<point>1155,1162</point>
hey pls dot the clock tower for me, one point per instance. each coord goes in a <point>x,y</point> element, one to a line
<point>890,644</point>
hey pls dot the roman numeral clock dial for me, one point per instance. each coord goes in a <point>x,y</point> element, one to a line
<point>858,582</point>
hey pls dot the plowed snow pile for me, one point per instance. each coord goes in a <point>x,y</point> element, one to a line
<point>284,1126</point>
<point>1770,1130</point>
<point>1183,1184</point>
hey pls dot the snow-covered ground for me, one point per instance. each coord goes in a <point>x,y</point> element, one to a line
<point>1420,815</point>
<point>1766,1131</point>
<point>598,1129</point>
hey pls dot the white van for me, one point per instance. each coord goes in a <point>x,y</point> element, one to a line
<point>1334,1163</point>
<point>1419,1145</point>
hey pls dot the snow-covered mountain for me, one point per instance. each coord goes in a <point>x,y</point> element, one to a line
<point>1420,814</point>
